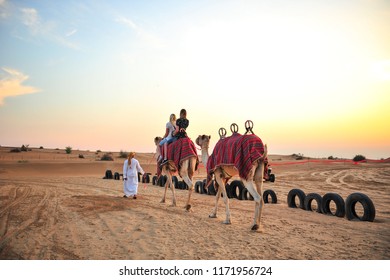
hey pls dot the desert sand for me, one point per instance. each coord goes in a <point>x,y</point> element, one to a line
<point>58,206</point>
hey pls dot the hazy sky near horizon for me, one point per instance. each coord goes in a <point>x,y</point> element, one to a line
<point>313,76</point>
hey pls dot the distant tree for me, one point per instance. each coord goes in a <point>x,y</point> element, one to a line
<point>123,154</point>
<point>68,150</point>
<point>298,156</point>
<point>359,158</point>
<point>24,148</point>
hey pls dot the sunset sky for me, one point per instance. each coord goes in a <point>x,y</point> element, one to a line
<point>313,76</point>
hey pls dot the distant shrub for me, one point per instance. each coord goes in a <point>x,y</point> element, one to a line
<point>15,150</point>
<point>297,156</point>
<point>41,147</point>
<point>123,154</point>
<point>68,150</point>
<point>81,156</point>
<point>107,157</point>
<point>330,157</point>
<point>98,151</point>
<point>24,148</point>
<point>359,158</point>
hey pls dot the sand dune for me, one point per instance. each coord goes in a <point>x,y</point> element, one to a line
<point>57,206</point>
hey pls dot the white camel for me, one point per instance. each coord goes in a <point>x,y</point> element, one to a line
<point>223,172</point>
<point>186,168</point>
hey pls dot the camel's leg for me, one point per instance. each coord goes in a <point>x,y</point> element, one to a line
<point>184,173</point>
<point>217,173</point>
<point>221,190</point>
<point>259,174</point>
<point>250,185</point>
<point>165,186</point>
<point>169,183</point>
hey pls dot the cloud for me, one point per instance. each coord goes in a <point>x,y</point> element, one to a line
<point>146,38</point>
<point>31,19</point>
<point>127,22</point>
<point>70,33</point>
<point>11,84</point>
<point>3,9</point>
<point>39,28</point>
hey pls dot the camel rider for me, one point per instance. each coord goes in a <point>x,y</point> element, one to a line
<point>181,125</point>
<point>180,131</point>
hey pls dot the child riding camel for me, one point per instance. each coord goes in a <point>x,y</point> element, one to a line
<point>168,137</point>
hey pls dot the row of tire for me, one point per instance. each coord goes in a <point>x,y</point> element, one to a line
<point>116,176</point>
<point>235,189</point>
<point>160,181</point>
<point>345,208</point>
<point>109,175</point>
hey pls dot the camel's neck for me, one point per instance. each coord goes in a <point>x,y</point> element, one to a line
<point>205,155</point>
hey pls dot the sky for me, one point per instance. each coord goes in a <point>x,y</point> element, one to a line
<point>313,76</point>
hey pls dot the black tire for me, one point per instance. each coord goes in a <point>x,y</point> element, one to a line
<point>202,188</point>
<point>154,180</point>
<point>211,189</point>
<point>184,186</point>
<point>116,176</point>
<point>109,174</point>
<point>291,198</point>
<point>338,200</point>
<point>243,194</point>
<point>272,178</point>
<point>246,195</point>
<point>146,178</point>
<point>197,186</point>
<point>309,199</point>
<point>175,182</point>
<point>234,186</point>
<point>271,193</point>
<point>365,201</point>
<point>162,180</point>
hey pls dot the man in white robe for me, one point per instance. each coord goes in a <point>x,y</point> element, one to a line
<point>131,167</point>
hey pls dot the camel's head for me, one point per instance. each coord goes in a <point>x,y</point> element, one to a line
<point>203,141</point>
<point>157,140</point>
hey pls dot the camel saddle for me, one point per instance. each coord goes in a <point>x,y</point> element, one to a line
<point>240,151</point>
<point>180,150</point>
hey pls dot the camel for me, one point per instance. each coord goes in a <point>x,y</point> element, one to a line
<point>252,179</point>
<point>186,166</point>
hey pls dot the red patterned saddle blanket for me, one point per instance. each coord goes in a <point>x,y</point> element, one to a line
<point>237,150</point>
<point>180,150</point>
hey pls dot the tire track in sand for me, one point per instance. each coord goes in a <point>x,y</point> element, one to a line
<point>10,233</point>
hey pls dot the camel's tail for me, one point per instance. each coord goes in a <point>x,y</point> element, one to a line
<point>171,166</point>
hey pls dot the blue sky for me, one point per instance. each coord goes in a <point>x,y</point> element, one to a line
<point>314,76</point>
